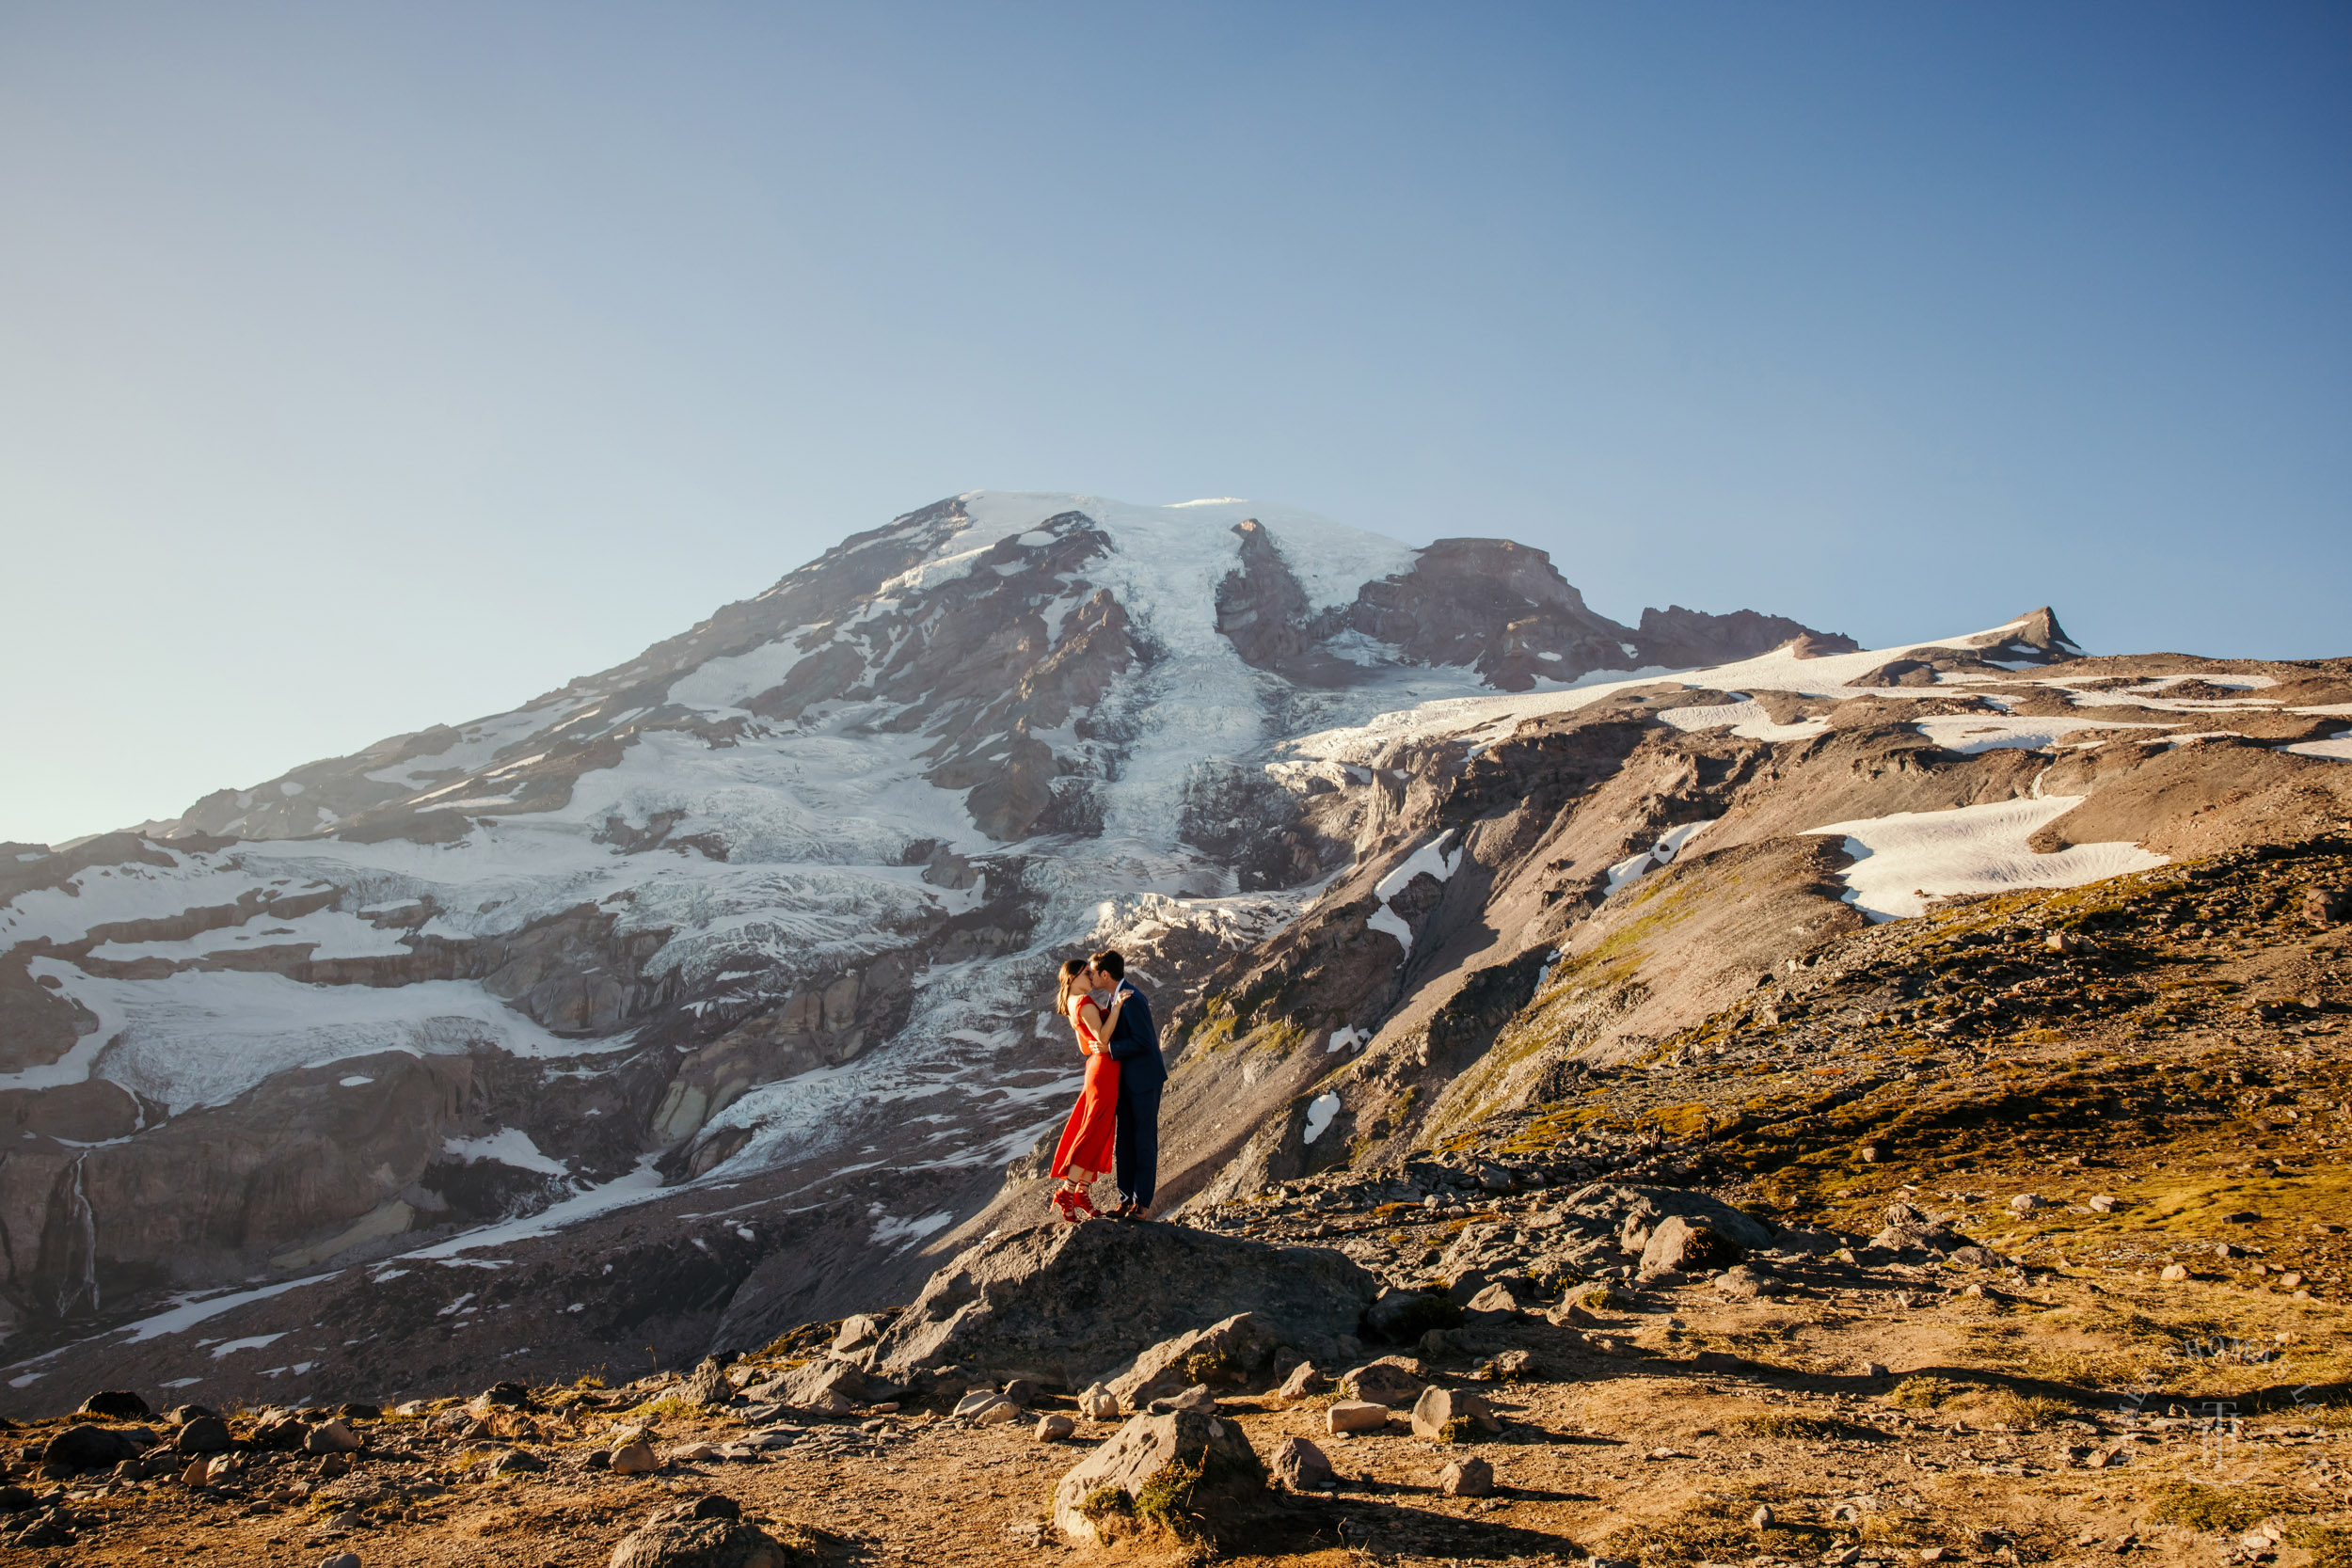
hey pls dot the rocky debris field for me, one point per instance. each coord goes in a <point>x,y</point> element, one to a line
<point>1596,1372</point>
<point>2012,1233</point>
<point>1852,1412</point>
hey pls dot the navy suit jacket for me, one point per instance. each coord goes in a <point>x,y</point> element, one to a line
<point>1135,1039</point>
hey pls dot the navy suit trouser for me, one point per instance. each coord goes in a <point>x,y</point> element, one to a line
<point>1138,1155</point>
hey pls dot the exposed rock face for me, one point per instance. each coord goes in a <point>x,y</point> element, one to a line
<point>1072,1304</point>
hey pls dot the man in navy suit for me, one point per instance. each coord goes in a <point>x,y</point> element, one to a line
<point>1135,1046</point>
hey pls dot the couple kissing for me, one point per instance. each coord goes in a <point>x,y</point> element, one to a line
<point>1120,1105</point>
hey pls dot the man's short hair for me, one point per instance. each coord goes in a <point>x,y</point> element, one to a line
<point>1110,963</point>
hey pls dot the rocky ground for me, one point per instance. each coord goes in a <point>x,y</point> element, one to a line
<point>2012,1233</point>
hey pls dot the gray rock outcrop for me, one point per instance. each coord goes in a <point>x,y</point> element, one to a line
<point>1068,1305</point>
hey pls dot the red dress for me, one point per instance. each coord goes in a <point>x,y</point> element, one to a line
<point>1094,1124</point>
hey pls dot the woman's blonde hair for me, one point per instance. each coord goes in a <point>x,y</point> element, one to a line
<point>1070,969</point>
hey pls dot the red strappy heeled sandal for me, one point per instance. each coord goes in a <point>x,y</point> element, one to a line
<point>1080,1202</point>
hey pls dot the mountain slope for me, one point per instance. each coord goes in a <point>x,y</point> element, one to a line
<point>702,996</point>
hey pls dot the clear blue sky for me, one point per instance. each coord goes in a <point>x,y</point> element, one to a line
<point>368,366</point>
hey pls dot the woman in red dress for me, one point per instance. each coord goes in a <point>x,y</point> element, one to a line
<point>1085,1152</point>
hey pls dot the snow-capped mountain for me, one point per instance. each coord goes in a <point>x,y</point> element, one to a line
<point>733,959</point>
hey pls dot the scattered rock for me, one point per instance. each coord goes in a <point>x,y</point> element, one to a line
<point>1680,1243</point>
<point>2175,1270</point>
<point>204,1435</point>
<point>1355,1416</point>
<point>830,1387</point>
<point>1053,1427</point>
<point>516,1461</point>
<point>1190,1475</point>
<point>2025,1203</point>
<point>341,1560</point>
<point>634,1459</point>
<point>1762,1519</point>
<point>1467,1478</point>
<point>1634,1212</point>
<point>1098,1404</point>
<point>501,1396</point>
<point>1452,1416</point>
<point>90,1448</point>
<point>858,1331</point>
<point>1021,1391</point>
<point>1383,1382</point>
<point>331,1437</point>
<point>119,1403</point>
<point>707,1385</point>
<point>1873,1369</point>
<point>1494,1304</point>
<point>996,1412</point>
<point>1298,1465</point>
<point>1974,1256</point>
<point>2102,1204</point>
<point>1303,1381</point>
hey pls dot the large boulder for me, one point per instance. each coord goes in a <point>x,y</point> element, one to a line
<point>1223,1354</point>
<point>1068,1305</point>
<point>1679,1244</point>
<point>90,1448</point>
<point>1189,1474</point>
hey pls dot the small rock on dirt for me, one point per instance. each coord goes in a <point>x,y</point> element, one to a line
<point>1452,1416</point>
<point>341,1560</point>
<point>1355,1416</point>
<point>1055,1425</point>
<point>1098,1404</point>
<point>1303,1381</point>
<point>1298,1465</point>
<point>634,1459</point>
<point>2175,1271</point>
<point>331,1437</point>
<point>120,1404</point>
<point>1467,1478</point>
